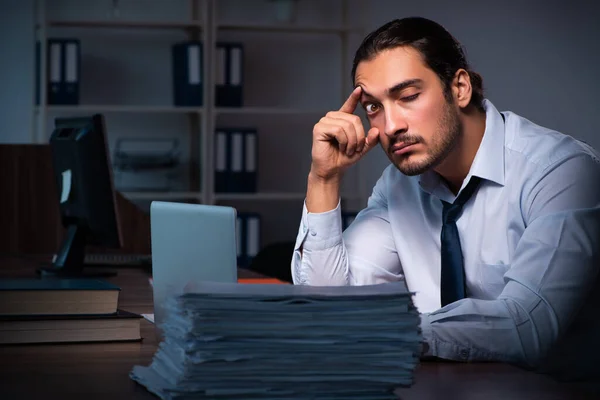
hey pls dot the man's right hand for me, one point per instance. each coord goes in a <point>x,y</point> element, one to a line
<point>339,141</point>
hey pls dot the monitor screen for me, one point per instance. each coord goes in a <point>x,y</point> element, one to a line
<point>86,194</point>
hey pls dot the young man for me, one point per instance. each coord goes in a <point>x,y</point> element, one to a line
<point>492,221</point>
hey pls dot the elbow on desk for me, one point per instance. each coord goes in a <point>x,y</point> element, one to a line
<point>538,332</point>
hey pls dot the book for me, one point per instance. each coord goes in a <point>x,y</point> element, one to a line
<point>57,296</point>
<point>119,326</point>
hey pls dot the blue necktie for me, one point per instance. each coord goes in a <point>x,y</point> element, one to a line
<point>453,275</point>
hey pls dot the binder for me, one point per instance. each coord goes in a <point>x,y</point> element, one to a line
<point>230,76</point>
<point>236,174</point>
<point>55,71</point>
<point>71,72</point>
<point>236,159</point>
<point>221,161</point>
<point>63,70</point>
<point>249,180</point>
<point>248,235</point>
<point>187,64</point>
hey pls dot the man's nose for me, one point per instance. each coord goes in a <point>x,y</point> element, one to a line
<point>395,121</point>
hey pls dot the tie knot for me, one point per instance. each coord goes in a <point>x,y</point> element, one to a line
<point>451,211</point>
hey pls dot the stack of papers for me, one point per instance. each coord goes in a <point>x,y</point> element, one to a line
<point>237,341</point>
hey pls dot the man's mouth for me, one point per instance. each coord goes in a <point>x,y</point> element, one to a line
<point>402,148</point>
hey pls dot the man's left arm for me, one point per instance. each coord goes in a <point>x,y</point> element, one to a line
<point>553,270</point>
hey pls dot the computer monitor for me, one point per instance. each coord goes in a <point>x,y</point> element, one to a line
<point>86,194</point>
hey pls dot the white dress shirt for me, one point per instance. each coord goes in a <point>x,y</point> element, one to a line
<point>530,238</point>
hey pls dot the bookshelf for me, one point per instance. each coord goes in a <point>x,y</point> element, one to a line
<point>211,21</point>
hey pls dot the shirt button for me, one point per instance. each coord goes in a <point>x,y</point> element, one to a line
<point>303,228</point>
<point>464,354</point>
<point>313,233</point>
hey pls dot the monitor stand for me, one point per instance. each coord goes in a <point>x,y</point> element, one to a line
<point>69,261</point>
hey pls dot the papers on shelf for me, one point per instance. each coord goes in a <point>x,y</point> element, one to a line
<point>148,317</point>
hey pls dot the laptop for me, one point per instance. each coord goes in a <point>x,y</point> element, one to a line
<point>190,243</point>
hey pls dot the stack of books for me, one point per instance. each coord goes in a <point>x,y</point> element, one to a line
<point>63,310</point>
<point>261,341</point>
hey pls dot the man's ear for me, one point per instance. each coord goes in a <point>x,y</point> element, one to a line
<point>462,89</point>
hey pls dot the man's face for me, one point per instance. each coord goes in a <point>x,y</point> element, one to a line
<point>405,100</point>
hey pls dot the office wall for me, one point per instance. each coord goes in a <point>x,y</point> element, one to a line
<point>16,70</point>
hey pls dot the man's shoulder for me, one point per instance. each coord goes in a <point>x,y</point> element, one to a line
<point>542,146</point>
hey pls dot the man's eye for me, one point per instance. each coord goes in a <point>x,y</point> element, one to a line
<point>371,108</point>
<point>411,97</point>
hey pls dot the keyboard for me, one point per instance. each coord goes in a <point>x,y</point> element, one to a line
<point>122,260</point>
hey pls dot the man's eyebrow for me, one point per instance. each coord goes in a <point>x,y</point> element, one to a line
<point>396,88</point>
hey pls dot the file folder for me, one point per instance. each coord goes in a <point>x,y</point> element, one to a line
<point>248,235</point>
<point>236,175</point>
<point>187,67</point>
<point>236,160</point>
<point>249,181</point>
<point>55,71</point>
<point>63,70</point>
<point>71,72</point>
<point>230,76</point>
<point>221,161</point>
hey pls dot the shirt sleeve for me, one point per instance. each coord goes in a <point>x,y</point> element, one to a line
<point>553,270</point>
<point>364,253</point>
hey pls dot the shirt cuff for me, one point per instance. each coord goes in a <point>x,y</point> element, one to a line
<point>320,231</point>
<point>426,333</point>
<point>438,348</point>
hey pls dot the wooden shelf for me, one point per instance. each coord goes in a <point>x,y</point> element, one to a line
<point>268,110</point>
<point>286,28</point>
<point>125,24</point>
<point>143,195</point>
<point>122,108</point>
<point>260,196</point>
<point>268,196</point>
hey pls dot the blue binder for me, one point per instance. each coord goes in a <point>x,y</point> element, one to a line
<point>187,66</point>
<point>222,161</point>
<point>71,72</point>
<point>249,180</point>
<point>248,237</point>
<point>236,166</point>
<point>63,59</point>
<point>236,160</point>
<point>230,75</point>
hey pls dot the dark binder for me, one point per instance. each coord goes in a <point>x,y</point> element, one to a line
<point>249,180</point>
<point>187,64</point>
<point>71,71</point>
<point>236,166</point>
<point>222,155</point>
<point>248,235</point>
<point>236,160</point>
<point>230,75</point>
<point>63,70</point>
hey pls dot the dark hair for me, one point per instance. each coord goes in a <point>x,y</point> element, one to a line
<point>439,49</point>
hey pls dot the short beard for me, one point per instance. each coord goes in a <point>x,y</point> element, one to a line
<point>450,130</point>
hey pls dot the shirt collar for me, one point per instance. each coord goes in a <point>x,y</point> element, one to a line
<point>489,160</point>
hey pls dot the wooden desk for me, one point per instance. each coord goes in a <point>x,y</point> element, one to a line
<point>100,371</point>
